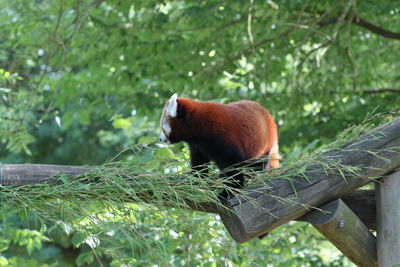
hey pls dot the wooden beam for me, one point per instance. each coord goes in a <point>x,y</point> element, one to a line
<point>362,202</point>
<point>265,207</point>
<point>339,224</point>
<point>388,220</point>
<point>24,174</point>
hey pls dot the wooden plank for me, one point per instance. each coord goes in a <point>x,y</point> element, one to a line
<point>388,220</point>
<point>339,224</point>
<point>274,203</point>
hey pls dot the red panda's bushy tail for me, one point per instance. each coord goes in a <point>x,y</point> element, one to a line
<point>273,155</point>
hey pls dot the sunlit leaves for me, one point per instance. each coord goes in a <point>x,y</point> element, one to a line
<point>81,81</point>
<point>120,123</point>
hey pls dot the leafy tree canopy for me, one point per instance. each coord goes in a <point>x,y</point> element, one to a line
<point>82,80</point>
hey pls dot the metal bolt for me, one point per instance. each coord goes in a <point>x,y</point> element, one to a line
<point>341,224</point>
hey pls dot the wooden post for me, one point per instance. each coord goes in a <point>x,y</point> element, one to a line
<point>388,220</point>
<point>338,223</point>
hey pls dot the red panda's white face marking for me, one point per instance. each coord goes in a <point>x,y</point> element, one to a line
<point>170,111</point>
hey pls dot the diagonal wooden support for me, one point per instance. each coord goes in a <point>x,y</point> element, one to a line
<point>338,223</point>
<point>276,202</point>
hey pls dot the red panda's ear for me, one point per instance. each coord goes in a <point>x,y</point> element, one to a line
<point>172,106</point>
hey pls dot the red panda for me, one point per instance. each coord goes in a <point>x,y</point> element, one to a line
<point>227,134</point>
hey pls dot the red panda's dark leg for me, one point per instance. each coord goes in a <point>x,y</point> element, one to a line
<point>198,161</point>
<point>235,180</point>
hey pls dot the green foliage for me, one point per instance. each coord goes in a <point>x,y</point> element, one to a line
<point>82,81</point>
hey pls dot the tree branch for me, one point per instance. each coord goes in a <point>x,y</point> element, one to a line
<point>246,50</point>
<point>375,29</point>
<point>366,25</point>
<point>382,90</point>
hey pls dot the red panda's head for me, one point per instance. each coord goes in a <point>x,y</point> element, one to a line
<point>169,115</point>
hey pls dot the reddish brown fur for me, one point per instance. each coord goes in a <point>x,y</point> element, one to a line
<point>245,124</point>
<point>227,134</point>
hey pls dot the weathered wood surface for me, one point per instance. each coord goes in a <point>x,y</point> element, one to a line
<point>339,224</point>
<point>276,202</point>
<point>388,220</point>
<point>23,174</point>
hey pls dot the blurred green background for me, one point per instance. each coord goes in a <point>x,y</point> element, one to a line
<point>81,81</point>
